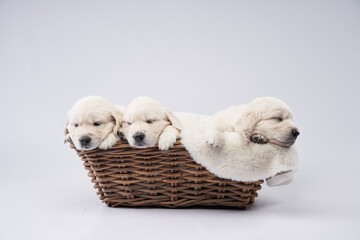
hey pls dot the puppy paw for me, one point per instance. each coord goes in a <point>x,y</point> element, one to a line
<point>122,136</point>
<point>214,138</point>
<point>258,138</point>
<point>109,141</point>
<point>166,141</point>
<point>68,139</point>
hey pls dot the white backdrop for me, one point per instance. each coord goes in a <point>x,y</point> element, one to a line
<point>195,56</point>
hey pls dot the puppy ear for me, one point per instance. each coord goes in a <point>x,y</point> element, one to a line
<point>66,132</point>
<point>247,123</point>
<point>118,118</point>
<point>173,120</point>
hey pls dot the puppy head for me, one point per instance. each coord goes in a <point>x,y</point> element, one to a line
<point>144,120</point>
<point>269,117</point>
<point>90,121</point>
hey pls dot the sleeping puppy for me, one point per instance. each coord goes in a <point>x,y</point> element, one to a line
<point>93,122</point>
<point>261,121</point>
<point>147,123</point>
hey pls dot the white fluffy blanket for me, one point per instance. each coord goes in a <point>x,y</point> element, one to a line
<point>238,159</point>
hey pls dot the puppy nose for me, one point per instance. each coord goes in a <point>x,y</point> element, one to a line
<point>85,140</point>
<point>138,136</point>
<point>295,132</point>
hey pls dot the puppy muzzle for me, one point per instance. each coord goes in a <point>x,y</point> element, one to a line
<point>139,139</point>
<point>291,139</point>
<point>85,142</point>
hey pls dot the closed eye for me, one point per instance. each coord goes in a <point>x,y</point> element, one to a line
<point>150,121</point>
<point>76,124</point>
<point>97,124</point>
<point>278,119</point>
<point>128,123</point>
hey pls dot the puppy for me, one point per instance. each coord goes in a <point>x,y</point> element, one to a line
<point>261,121</point>
<point>93,122</point>
<point>146,123</point>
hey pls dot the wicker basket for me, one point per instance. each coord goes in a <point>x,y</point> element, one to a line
<point>132,177</point>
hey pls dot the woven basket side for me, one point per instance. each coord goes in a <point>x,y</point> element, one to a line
<point>126,176</point>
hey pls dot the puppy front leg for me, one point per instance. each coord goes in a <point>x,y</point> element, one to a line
<point>214,138</point>
<point>109,141</point>
<point>168,137</point>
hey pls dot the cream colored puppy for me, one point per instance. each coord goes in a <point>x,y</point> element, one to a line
<point>147,123</point>
<point>93,122</point>
<point>261,121</point>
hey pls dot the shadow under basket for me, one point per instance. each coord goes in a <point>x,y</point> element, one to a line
<point>147,177</point>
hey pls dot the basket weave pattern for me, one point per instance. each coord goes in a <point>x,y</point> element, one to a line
<point>132,177</point>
